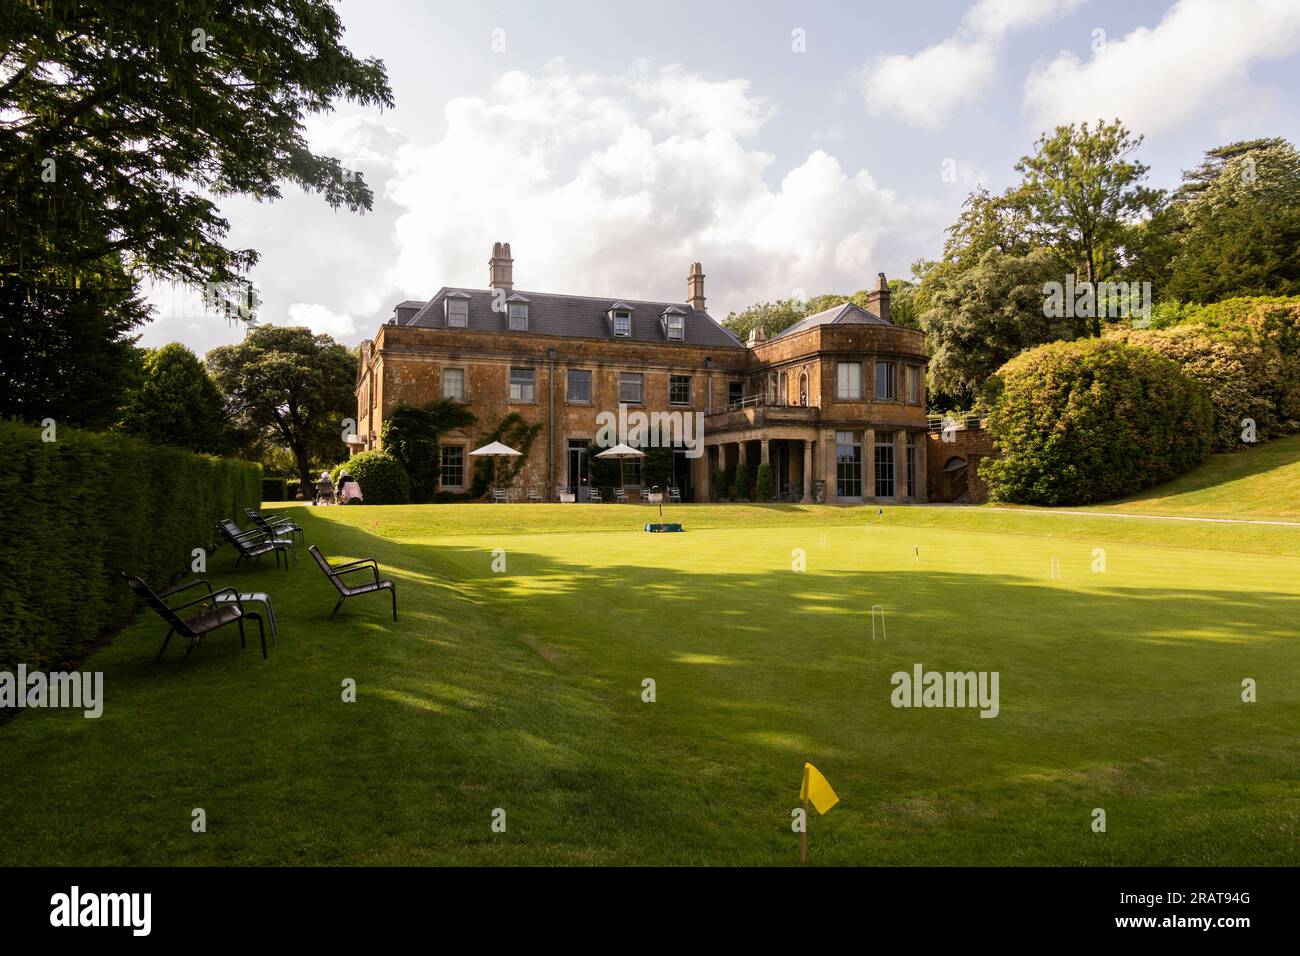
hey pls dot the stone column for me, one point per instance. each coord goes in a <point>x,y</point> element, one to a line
<point>922,454</point>
<point>742,453</point>
<point>900,465</point>
<point>828,463</point>
<point>869,465</point>
<point>807,470</point>
<point>700,476</point>
<point>764,455</point>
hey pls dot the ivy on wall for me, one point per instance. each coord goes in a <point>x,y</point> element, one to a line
<point>513,430</point>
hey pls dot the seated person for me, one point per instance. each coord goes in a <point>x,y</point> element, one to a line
<point>349,490</point>
<point>324,489</point>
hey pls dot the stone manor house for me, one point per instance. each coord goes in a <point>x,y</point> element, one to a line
<point>835,403</point>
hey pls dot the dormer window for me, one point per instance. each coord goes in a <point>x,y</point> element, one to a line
<point>517,311</point>
<point>518,317</point>
<point>620,320</point>
<point>457,310</point>
<point>674,325</point>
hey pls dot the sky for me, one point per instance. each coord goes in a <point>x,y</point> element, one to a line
<point>792,148</point>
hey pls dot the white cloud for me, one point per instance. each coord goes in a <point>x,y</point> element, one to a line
<point>603,185</point>
<point>995,18</point>
<point>927,88</point>
<point>1156,78</point>
<point>609,185</point>
<point>321,320</point>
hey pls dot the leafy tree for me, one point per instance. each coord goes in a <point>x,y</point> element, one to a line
<point>1238,224</point>
<point>176,403</point>
<point>66,352</point>
<point>775,317</point>
<point>978,317</point>
<point>124,125</point>
<point>1082,196</point>
<point>769,317</point>
<point>411,435</point>
<point>290,387</point>
<point>147,114</point>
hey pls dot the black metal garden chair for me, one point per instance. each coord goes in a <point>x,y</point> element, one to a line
<point>217,614</point>
<point>276,525</point>
<point>254,543</point>
<point>335,574</point>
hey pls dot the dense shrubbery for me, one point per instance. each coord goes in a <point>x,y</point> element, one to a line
<point>382,478</point>
<point>1092,420</point>
<point>764,485</point>
<point>744,481</point>
<point>1245,352</point>
<point>721,484</point>
<point>275,489</point>
<point>86,506</point>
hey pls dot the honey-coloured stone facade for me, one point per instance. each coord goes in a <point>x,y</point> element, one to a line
<point>836,404</point>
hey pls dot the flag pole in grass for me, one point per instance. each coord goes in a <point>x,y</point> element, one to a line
<point>817,790</point>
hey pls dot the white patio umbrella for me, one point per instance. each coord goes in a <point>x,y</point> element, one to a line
<point>622,453</point>
<point>495,450</point>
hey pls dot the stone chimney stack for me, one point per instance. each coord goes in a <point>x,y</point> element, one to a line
<point>501,268</point>
<point>878,298</point>
<point>695,287</point>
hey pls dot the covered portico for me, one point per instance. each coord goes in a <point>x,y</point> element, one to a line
<point>813,460</point>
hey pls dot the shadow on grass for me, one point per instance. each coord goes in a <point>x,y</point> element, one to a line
<point>523,691</point>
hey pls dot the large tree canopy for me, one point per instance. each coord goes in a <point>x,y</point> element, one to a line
<point>1082,196</point>
<point>176,403</point>
<point>291,387</point>
<point>133,119</point>
<point>122,126</point>
<point>1237,225</point>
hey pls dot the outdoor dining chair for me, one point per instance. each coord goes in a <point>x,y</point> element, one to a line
<point>500,496</point>
<point>620,496</point>
<point>535,496</point>
<point>254,544</point>
<point>675,496</point>
<point>335,573</point>
<point>223,607</point>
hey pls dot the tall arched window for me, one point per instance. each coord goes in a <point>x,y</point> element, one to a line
<point>783,390</point>
<point>803,388</point>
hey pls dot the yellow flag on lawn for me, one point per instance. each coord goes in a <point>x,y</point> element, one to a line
<point>816,789</point>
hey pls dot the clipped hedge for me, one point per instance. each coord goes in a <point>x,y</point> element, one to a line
<point>765,483</point>
<point>382,478</point>
<point>275,489</point>
<point>1092,420</point>
<point>84,507</point>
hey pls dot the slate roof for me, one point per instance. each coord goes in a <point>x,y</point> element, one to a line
<point>574,316</point>
<point>846,314</point>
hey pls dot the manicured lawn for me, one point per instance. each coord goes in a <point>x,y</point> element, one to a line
<point>522,690</point>
<point>1261,481</point>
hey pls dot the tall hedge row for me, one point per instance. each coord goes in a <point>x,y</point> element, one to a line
<point>1091,420</point>
<point>86,505</point>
